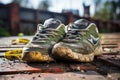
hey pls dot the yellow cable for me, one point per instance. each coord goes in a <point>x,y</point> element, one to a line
<point>13,54</point>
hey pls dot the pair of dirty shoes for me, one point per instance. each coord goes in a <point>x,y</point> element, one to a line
<point>78,41</point>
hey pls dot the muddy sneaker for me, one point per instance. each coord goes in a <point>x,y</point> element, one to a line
<point>81,43</point>
<point>47,35</point>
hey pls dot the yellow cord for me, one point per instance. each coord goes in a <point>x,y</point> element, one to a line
<point>13,54</point>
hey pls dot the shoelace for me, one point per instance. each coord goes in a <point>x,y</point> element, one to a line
<point>73,35</point>
<point>44,34</point>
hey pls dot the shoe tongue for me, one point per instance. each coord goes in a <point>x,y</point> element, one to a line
<point>80,24</point>
<point>52,23</point>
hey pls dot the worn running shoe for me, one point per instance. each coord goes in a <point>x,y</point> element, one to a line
<point>81,43</point>
<point>46,36</point>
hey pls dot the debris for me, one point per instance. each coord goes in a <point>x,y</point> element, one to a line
<point>19,41</point>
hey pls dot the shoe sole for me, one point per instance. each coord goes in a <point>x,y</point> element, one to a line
<point>36,56</point>
<point>64,53</point>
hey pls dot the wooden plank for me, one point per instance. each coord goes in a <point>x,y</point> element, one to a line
<point>88,75</point>
<point>7,49</point>
<point>11,46</point>
<point>7,68</point>
<point>110,53</point>
<point>113,38</point>
<point>109,46</point>
<point>110,42</point>
<point>109,70</point>
<point>11,67</point>
<point>2,54</point>
<point>109,35</point>
<point>112,59</point>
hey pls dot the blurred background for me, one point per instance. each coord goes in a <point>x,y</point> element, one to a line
<point>22,16</point>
